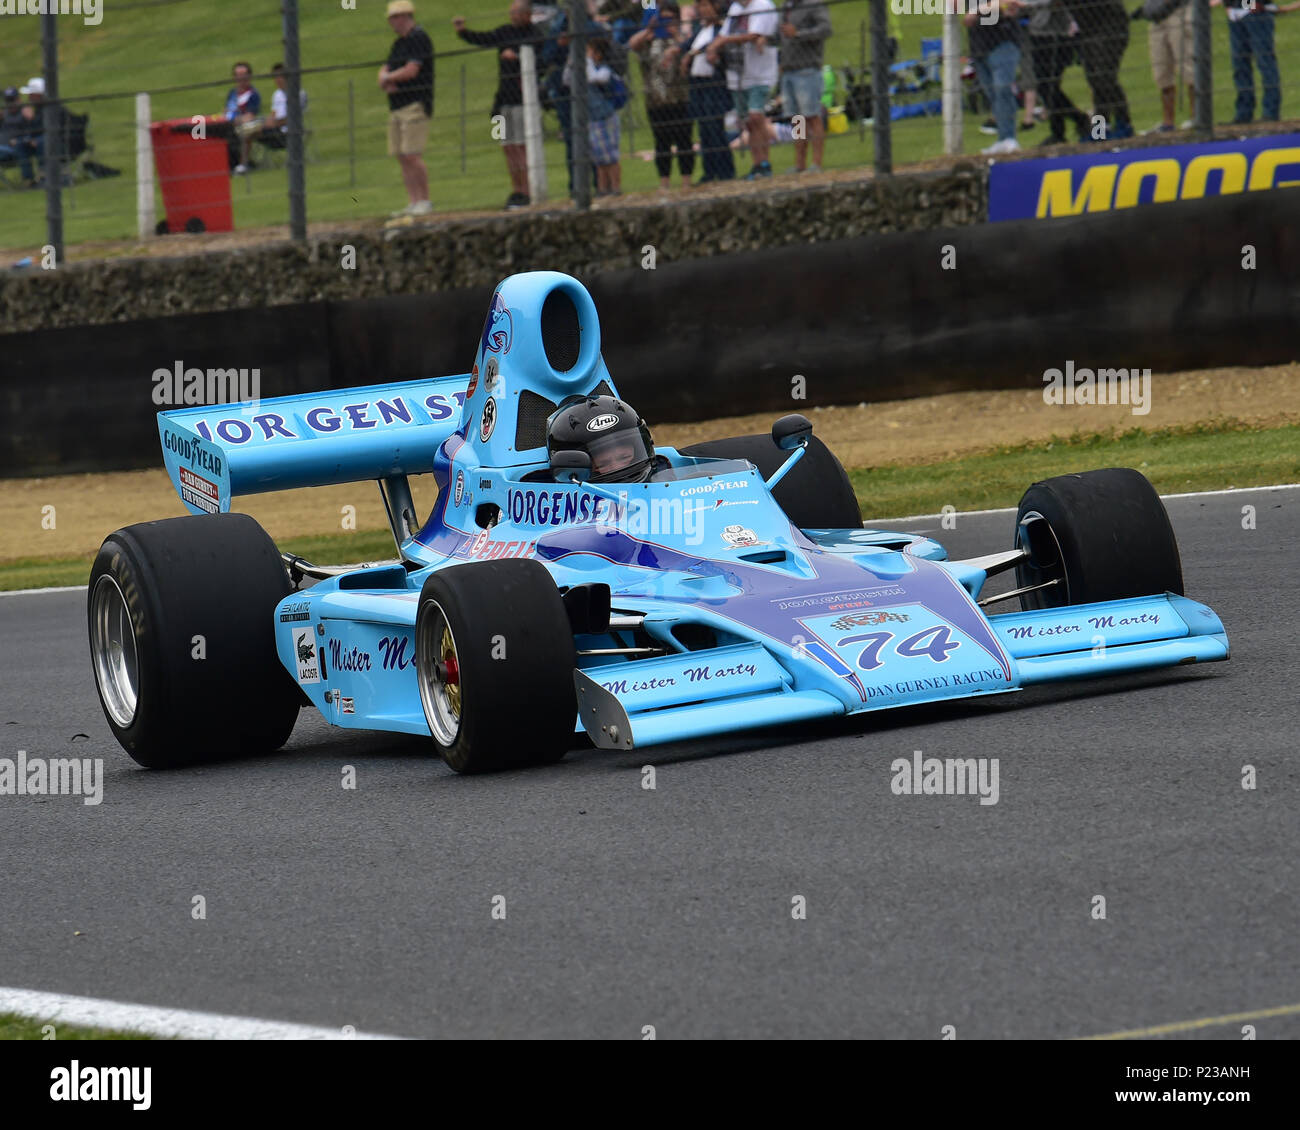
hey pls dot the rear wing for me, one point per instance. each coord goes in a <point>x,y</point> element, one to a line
<point>215,452</point>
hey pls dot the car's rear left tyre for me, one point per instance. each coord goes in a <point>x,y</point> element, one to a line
<point>815,495</point>
<point>182,640</point>
<point>494,658</point>
<point>1099,535</point>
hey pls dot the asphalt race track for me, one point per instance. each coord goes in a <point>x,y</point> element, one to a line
<point>627,907</point>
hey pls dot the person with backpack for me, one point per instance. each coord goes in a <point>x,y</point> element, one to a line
<point>659,46</point>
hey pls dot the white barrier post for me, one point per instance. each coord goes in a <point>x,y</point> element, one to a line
<point>533,148</point>
<point>143,168</point>
<point>951,83</point>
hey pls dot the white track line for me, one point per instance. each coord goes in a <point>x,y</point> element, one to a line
<point>908,518</point>
<point>38,592</point>
<point>1012,509</point>
<point>167,1022</point>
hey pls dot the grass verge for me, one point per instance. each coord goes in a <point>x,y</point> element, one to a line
<point>42,572</point>
<point>14,1027</point>
<point>1210,456</point>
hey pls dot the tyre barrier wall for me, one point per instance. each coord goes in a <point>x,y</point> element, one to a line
<point>881,317</point>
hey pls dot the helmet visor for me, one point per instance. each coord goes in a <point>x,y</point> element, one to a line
<point>613,454</point>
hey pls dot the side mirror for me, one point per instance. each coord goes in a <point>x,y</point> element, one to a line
<point>569,464</point>
<point>792,431</point>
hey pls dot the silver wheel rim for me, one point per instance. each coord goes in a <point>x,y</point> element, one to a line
<point>117,663</point>
<point>440,696</point>
<point>1035,516</point>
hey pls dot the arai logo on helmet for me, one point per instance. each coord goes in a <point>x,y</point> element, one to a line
<point>602,423</point>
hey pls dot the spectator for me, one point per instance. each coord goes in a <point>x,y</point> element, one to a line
<point>1051,34</point>
<point>1027,79</point>
<point>995,53</point>
<point>555,95</point>
<point>659,47</point>
<point>805,27</point>
<point>1250,38</point>
<point>31,139</point>
<point>280,99</point>
<point>776,132</point>
<point>1103,39</point>
<point>509,100</point>
<point>709,97</point>
<point>1170,42</point>
<point>15,136</point>
<point>620,17</point>
<point>244,113</point>
<point>556,87</point>
<point>275,127</point>
<point>407,78</point>
<point>602,119</point>
<point>752,25</point>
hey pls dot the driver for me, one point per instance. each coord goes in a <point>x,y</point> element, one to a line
<point>610,431</point>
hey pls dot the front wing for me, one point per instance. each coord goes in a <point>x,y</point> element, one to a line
<point>745,686</point>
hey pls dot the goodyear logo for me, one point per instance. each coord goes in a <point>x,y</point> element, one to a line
<point>1073,186</point>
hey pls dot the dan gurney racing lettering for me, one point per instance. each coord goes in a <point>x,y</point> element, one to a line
<point>326,420</point>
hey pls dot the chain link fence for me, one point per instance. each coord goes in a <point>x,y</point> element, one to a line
<point>144,89</point>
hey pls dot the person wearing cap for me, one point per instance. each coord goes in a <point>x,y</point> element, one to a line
<point>509,100</point>
<point>407,78</point>
<point>13,126</point>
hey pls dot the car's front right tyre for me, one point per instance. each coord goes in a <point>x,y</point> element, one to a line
<point>494,658</point>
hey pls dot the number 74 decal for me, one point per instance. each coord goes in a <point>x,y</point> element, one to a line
<point>940,643</point>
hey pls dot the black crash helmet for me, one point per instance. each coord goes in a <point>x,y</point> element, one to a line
<point>611,432</point>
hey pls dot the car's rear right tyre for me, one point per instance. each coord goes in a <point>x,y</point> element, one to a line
<point>815,495</point>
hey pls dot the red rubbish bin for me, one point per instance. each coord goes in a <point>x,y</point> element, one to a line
<point>194,175</point>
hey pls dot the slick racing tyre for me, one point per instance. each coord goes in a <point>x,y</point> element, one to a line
<point>182,641</point>
<point>815,495</point>
<point>1100,535</point>
<point>494,659</point>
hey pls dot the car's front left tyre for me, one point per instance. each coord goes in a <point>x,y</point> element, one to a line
<point>1095,536</point>
<point>182,640</point>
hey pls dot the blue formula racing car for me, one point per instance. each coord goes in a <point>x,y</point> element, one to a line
<point>572,577</point>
